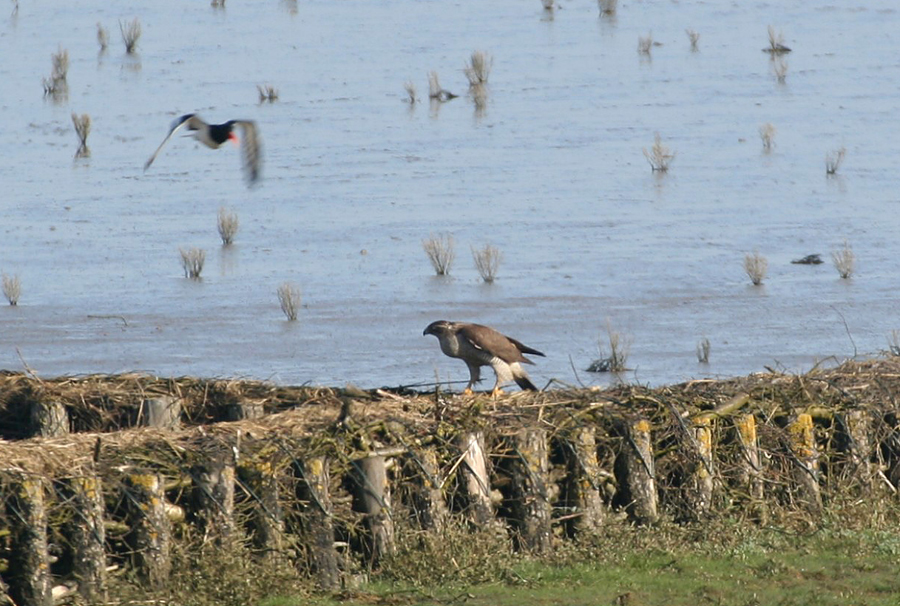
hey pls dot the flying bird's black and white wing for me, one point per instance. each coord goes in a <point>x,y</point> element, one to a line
<point>191,120</point>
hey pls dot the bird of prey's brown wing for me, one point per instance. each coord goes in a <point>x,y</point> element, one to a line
<point>215,136</point>
<point>478,346</point>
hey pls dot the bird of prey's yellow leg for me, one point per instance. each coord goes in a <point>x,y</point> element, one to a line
<point>468,391</point>
<point>497,392</point>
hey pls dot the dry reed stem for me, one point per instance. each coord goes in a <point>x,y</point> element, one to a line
<point>756,267</point>
<point>289,299</point>
<point>266,92</point>
<point>227,224</point>
<point>82,126</point>
<point>410,89</point>
<point>894,343</point>
<point>619,350</point>
<point>776,42</point>
<point>780,69</point>
<point>844,261</point>
<point>645,43</point>
<point>56,85</point>
<point>12,289</point>
<point>102,37</point>
<point>767,134</point>
<point>608,7</point>
<point>694,37</point>
<point>440,251</point>
<point>547,4</point>
<point>479,68</point>
<point>703,351</point>
<point>192,260</point>
<point>435,91</point>
<point>659,156</point>
<point>833,160</point>
<point>487,262</point>
<point>131,33</point>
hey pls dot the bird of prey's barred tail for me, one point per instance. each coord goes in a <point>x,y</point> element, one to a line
<point>215,136</point>
<point>478,346</point>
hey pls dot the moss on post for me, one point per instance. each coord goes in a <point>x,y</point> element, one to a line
<point>583,495</point>
<point>475,479</point>
<point>29,566</point>
<point>805,458</point>
<point>531,490</point>
<point>318,525</point>
<point>87,533</point>
<point>636,461</point>
<point>151,536</point>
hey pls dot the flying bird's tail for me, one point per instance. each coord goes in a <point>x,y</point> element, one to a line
<point>525,383</point>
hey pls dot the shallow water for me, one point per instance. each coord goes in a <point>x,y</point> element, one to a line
<point>551,173</point>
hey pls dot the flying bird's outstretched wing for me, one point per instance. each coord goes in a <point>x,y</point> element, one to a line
<point>191,119</point>
<point>251,149</point>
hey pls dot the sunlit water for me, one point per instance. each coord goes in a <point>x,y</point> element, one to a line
<point>551,173</point>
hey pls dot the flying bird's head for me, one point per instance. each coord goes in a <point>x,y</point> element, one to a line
<point>441,327</point>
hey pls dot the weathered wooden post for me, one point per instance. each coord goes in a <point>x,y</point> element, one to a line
<point>857,425</point>
<point>531,489</point>
<point>49,419</point>
<point>87,533</point>
<point>805,457</point>
<point>475,479</point>
<point>701,476</point>
<point>583,481</point>
<point>374,495</point>
<point>260,478</point>
<point>213,494</point>
<point>150,526</point>
<point>428,498</point>
<point>244,409</point>
<point>318,525</point>
<point>29,578</point>
<point>163,412</point>
<point>749,464</point>
<point>639,472</point>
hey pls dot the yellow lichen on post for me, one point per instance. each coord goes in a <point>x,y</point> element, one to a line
<point>640,472</point>
<point>583,485</point>
<point>806,462</point>
<point>702,475</point>
<point>30,582</point>
<point>749,471</point>
<point>87,533</point>
<point>151,527</point>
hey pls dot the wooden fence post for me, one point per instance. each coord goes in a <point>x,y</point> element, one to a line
<point>531,488</point>
<point>749,465</point>
<point>260,479</point>
<point>375,497</point>
<point>49,419</point>
<point>87,533</point>
<point>805,457</point>
<point>162,411</point>
<point>857,425</point>
<point>150,527</point>
<point>318,525</point>
<point>583,481</point>
<point>30,581</point>
<point>213,495</point>
<point>701,479</point>
<point>640,472</point>
<point>428,498</point>
<point>475,479</point>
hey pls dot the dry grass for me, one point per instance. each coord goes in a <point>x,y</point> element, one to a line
<point>410,89</point>
<point>267,92</point>
<point>435,92</point>
<point>102,37</point>
<point>659,156</point>
<point>844,261</point>
<point>780,69</point>
<point>703,351</point>
<point>479,68</point>
<point>645,43</point>
<point>619,349</point>
<point>833,160</point>
<point>227,224</point>
<point>487,262</point>
<point>694,37</point>
<point>776,42</point>
<point>56,85</point>
<point>756,267</point>
<point>608,7</point>
<point>131,34</point>
<point>440,251</point>
<point>12,289</point>
<point>289,299</point>
<point>767,134</point>
<point>479,98</point>
<point>192,260</point>
<point>82,126</point>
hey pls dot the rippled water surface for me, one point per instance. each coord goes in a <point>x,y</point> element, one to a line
<point>551,173</point>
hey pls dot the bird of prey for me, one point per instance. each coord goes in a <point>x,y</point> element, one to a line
<point>215,136</point>
<point>478,346</point>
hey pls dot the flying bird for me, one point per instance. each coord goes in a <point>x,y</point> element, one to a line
<point>478,346</point>
<point>215,136</point>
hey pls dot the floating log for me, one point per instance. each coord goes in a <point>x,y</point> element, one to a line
<point>163,412</point>
<point>374,497</point>
<point>260,479</point>
<point>805,458</point>
<point>583,491</point>
<point>49,419</point>
<point>429,506</point>
<point>213,494</point>
<point>318,524</point>
<point>475,479</point>
<point>639,472</point>
<point>151,529</point>
<point>87,533</point>
<point>29,575</point>
<point>531,490</point>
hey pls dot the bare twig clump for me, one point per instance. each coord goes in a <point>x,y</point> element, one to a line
<point>102,37</point>
<point>659,156</point>
<point>756,267</point>
<point>440,252</point>
<point>435,91</point>
<point>694,37</point>
<point>780,69</point>
<point>410,89</point>
<point>607,7</point>
<point>767,134</point>
<point>487,262</point>
<point>844,261</point>
<point>289,299</point>
<point>703,351</point>
<point>776,43</point>
<point>833,160</point>
<point>619,347</point>
<point>267,93</point>
<point>228,225</point>
<point>478,68</point>
<point>479,98</point>
<point>82,125</point>
<point>645,43</point>
<point>192,260</point>
<point>57,85</point>
<point>894,343</point>
<point>131,33</point>
<point>12,289</point>
<point>547,4</point>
